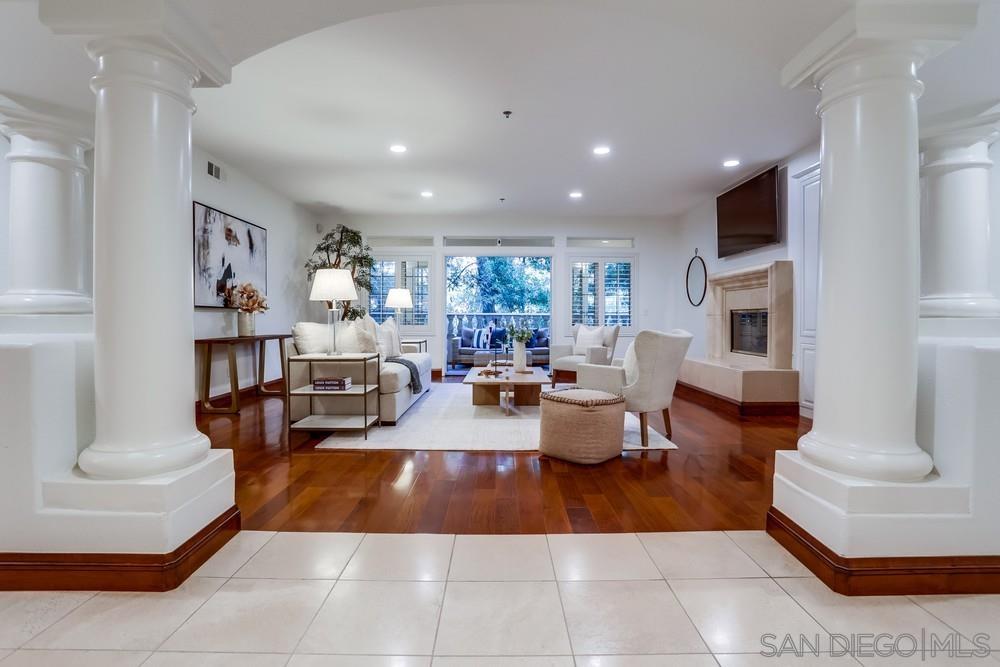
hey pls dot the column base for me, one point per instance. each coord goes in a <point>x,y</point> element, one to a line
<point>907,466</point>
<point>973,305</point>
<point>47,323</point>
<point>39,303</point>
<point>953,511</point>
<point>124,464</point>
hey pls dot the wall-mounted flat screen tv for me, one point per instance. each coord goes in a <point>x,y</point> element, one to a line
<point>747,215</point>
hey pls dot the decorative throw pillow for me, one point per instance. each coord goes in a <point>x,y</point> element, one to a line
<point>366,341</point>
<point>467,335</point>
<point>539,338</point>
<point>390,345</point>
<point>481,339</point>
<point>353,338</point>
<point>347,338</point>
<point>498,337</point>
<point>369,324</point>
<point>587,337</point>
<point>311,338</point>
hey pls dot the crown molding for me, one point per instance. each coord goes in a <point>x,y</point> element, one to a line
<point>23,117</point>
<point>160,21</point>
<point>965,125</point>
<point>931,26</point>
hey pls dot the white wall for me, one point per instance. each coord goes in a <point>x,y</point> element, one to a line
<point>4,211</point>
<point>287,224</point>
<point>654,302</point>
<point>697,229</point>
<point>995,219</point>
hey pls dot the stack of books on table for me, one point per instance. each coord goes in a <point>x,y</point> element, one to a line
<point>332,384</point>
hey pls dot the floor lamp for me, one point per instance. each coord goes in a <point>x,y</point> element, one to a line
<point>333,285</point>
<point>397,298</point>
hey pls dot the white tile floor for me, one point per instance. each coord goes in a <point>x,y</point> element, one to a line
<point>352,600</point>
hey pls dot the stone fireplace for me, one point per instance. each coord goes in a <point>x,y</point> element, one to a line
<point>749,327</point>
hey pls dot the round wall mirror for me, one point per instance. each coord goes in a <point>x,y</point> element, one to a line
<point>697,280</point>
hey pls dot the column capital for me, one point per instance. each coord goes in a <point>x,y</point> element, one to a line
<point>924,27</point>
<point>966,126</point>
<point>161,23</point>
<point>45,122</point>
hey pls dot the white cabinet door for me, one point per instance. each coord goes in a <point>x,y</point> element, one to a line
<point>808,279</point>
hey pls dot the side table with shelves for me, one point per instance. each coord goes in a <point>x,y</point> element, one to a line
<point>419,343</point>
<point>362,419</point>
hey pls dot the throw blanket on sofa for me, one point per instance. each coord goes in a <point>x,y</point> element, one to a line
<point>415,386</point>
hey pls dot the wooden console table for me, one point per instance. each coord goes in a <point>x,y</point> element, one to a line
<point>231,343</point>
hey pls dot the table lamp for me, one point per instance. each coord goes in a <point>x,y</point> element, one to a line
<point>333,285</point>
<point>397,298</point>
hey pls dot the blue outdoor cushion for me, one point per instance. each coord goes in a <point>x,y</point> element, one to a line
<point>467,334</point>
<point>539,338</point>
<point>499,337</point>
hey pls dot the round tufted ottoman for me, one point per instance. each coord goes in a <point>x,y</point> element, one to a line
<point>582,425</point>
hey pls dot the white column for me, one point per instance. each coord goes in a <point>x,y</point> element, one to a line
<point>866,347</point>
<point>47,212</point>
<point>143,313</point>
<point>955,225</point>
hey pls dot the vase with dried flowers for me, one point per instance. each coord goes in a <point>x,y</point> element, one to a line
<point>249,302</point>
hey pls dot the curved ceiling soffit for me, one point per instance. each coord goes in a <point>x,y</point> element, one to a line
<point>260,28</point>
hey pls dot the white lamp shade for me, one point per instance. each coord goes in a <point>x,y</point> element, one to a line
<point>333,285</point>
<point>398,298</point>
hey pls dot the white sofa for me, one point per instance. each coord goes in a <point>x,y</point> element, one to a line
<point>395,396</point>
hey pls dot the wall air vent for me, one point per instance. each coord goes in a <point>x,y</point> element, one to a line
<point>401,241</point>
<point>501,242</point>
<point>590,242</point>
<point>214,170</point>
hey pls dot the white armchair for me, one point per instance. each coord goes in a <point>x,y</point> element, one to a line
<point>598,348</point>
<point>646,377</point>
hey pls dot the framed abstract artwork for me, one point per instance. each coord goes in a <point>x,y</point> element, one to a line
<point>228,252</point>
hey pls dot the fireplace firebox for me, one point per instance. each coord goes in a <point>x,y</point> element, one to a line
<point>748,332</point>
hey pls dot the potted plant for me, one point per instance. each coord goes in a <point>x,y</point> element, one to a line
<point>344,248</point>
<point>249,302</point>
<point>520,336</point>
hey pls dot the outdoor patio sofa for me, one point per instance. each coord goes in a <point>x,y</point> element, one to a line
<point>461,351</point>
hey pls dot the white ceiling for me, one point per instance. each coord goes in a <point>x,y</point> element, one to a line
<point>315,116</point>
<point>674,86</point>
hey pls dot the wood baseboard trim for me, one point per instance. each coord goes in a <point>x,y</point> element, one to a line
<point>250,390</point>
<point>707,399</point>
<point>437,374</point>
<point>117,572</point>
<point>890,575</point>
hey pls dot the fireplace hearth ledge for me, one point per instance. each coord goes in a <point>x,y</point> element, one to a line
<point>745,378</point>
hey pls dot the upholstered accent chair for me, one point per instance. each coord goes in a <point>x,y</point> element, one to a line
<point>646,377</point>
<point>591,345</point>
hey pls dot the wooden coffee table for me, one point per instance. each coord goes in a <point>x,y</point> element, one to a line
<point>523,388</point>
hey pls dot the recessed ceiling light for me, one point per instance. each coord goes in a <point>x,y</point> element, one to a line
<point>602,150</point>
<point>576,194</point>
<point>426,194</point>
<point>732,162</point>
<point>397,148</point>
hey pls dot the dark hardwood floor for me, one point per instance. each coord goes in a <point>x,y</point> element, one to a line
<point>718,479</point>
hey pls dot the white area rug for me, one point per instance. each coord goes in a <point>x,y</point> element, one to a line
<point>446,419</point>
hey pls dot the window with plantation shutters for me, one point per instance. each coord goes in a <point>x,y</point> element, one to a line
<point>584,299</point>
<point>618,293</point>
<point>412,273</point>
<point>602,291</point>
<point>383,279</point>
